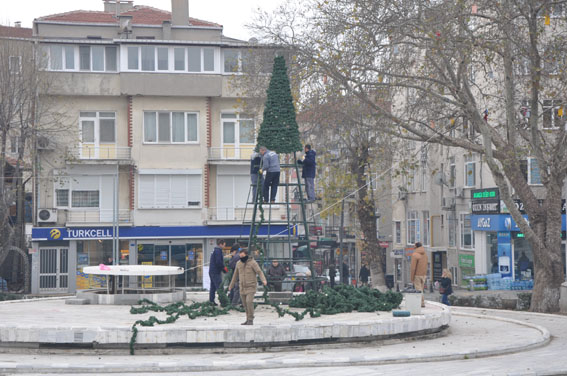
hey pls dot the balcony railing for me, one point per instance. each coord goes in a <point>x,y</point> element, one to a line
<point>241,153</point>
<point>102,152</point>
<point>229,214</point>
<point>98,216</point>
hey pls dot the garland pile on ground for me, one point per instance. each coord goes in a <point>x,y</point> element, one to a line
<point>341,299</point>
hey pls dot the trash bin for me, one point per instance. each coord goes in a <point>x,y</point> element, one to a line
<point>413,302</point>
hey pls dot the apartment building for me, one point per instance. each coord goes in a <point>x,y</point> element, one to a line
<point>151,163</point>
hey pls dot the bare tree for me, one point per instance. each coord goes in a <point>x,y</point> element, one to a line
<point>495,66</point>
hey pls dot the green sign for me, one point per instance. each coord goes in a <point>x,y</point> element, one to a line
<point>466,261</point>
<point>485,193</point>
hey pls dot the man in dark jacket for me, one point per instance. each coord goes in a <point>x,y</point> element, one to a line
<point>332,274</point>
<point>255,161</point>
<point>308,173</point>
<point>216,267</point>
<point>276,274</point>
<point>345,272</point>
<point>234,295</point>
<point>363,275</point>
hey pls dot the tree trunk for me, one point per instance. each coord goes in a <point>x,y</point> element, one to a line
<point>366,211</point>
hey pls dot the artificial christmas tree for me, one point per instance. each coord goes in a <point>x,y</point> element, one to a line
<point>279,131</point>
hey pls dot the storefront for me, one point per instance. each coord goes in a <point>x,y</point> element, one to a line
<point>500,246</point>
<point>59,254</point>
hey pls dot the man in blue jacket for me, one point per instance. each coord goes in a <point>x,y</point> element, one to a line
<point>271,166</point>
<point>308,173</point>
<point>216,267</point>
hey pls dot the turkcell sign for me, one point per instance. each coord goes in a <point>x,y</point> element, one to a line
<point>88,233</point>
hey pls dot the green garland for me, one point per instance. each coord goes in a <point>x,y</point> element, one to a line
<point>340,299</point>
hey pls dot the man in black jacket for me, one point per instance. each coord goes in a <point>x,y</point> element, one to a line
<point>308,173</point>
<point>345,272</point>
<point>276,274</point>
<point>363,275</point>
<point>234,295</point>
<point>255,161</point>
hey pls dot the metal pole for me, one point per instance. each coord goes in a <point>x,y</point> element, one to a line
<point>341,231</point>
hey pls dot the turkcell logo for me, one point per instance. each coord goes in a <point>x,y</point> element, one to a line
<point>55,234</point>
<point>89,233</point>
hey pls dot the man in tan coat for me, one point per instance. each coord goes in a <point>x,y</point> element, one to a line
<point>246,273</point>
<point>418,270</point>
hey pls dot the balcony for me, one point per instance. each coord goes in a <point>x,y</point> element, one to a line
<point>231,153</point>
<point>103,153</point>
<point>231,214</point>
<point>98,216</point>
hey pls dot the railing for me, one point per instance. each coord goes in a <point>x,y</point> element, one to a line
<point>242,153</point>
<point>102,152</point>
<point>98,216</point>
<point>229,214</point>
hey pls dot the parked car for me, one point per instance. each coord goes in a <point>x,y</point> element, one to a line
<point>301,274</point>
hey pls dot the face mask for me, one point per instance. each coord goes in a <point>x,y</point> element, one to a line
<point>244,259</point>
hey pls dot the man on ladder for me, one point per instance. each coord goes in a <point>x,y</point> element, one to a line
<point>271,167</point>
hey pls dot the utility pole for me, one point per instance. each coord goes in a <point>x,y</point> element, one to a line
<point>341,235</point>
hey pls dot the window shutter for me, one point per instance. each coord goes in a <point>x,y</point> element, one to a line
<point>179,191</point>
<point>146,197</point>
<point>194,188</point>
<point>162,191</point>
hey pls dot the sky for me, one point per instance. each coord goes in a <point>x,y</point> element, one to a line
<point>232,14</point>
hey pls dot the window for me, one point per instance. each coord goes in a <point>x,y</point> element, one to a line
<point>413,227</point>
<point>426,227</point>
<point>91,58</point>
<point>530,170</point>
<point>85,199</point>
<point>553,116</point>
<point>111,58</point>
<point>163,58</point>
<point>231,58</point>
<point>157,58</point>
<point>452,172</point>
<point>470,171</point>
<point>398,229</point>
<point>133,58</point>
<point>235,60</point>
<point>148,58</point>
<point>97,58</point>
<point>208,59</point>
<point>158,191</point>
<point>238,134</point>
<point>194,59</point>
<point>467,234</point>
<point>171,127</point>
<point>179,59</point>
<point>15,64</point>
<point>62,197</point>
<point>14,145</point>
<point>85,58</point>
<point>97,127</point>
<point>452,228</point>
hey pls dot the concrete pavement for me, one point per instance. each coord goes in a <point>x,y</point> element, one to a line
<point>479,342</point>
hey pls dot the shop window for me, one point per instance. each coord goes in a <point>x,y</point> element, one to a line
<point>523,259</point>
<point>467,234</point>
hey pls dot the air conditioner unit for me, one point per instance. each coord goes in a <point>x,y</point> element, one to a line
<point>47,215</point>
<point>460,192</point>
<point>448,203</point>
<point>44,143</point>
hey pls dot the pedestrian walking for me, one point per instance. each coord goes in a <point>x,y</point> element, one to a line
<point>255,162</point>
<point>308,173</point>
<point>276,274</point>
<point>446,286</point>
<point>345,272</point>
<point>246,273</point>
<point>332,274</point>
<point>418,269</point>
<point>234,294</point>
<point>364,274</point>
<point>216,268</point>
<point>271,168</point>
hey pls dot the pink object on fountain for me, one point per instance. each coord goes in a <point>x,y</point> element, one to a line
<point>104,267</point>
